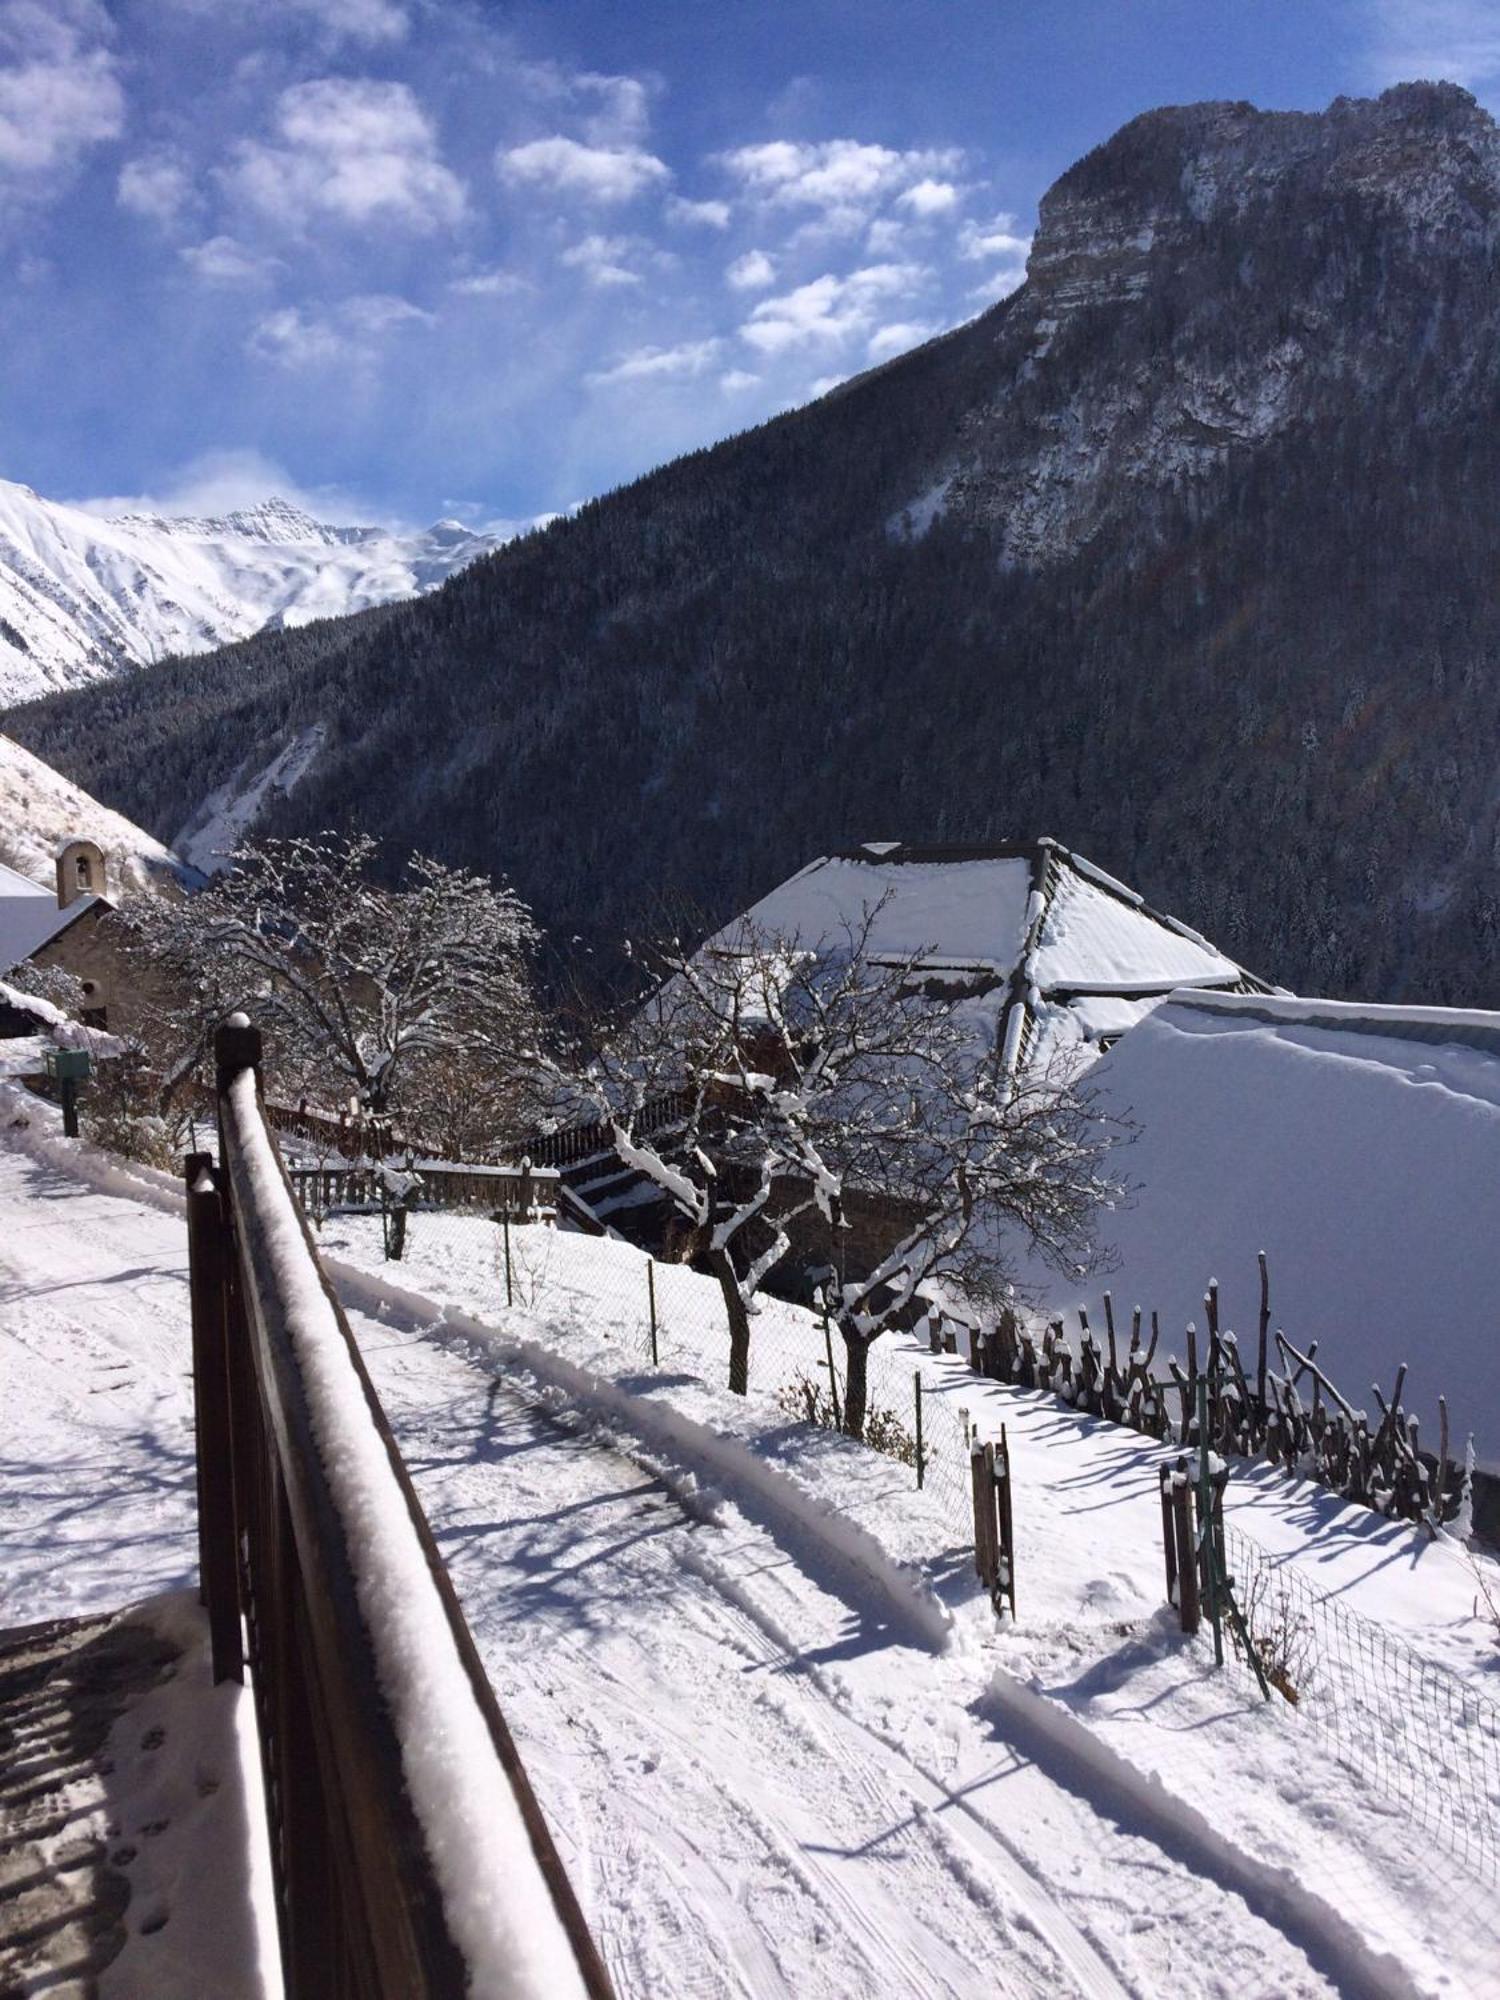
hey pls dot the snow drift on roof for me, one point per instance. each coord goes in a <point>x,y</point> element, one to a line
<point>954,912</point>
<point>1094,939</point>
<point>1363,1163</point>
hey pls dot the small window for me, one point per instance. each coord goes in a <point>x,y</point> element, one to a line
<point>85,872</point>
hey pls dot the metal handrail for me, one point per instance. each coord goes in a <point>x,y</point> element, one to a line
<point>369,1891</point>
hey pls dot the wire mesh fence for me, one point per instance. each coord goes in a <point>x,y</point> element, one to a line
<point>1413,1731</point>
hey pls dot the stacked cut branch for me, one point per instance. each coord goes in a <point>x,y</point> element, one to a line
<point>1287,1410</point>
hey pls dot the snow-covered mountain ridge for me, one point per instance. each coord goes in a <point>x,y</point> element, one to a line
<point>83,596</point>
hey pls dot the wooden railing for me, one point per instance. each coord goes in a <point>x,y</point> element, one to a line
<point>410,1856</point>
<point>523,1193</point>
<point>585,1142</point>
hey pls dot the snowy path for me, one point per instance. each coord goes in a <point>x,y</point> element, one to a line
<point>768,1789</point>
<point>765,1781</point>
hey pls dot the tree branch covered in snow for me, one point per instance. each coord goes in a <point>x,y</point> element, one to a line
<point>762,1082</point>
<point>392,994</point>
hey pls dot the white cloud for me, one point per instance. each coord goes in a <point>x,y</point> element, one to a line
<point>602,259</point>
<point>351,333</point>
<point>996,238</point>
<point>1458,40</point>
<point>593,173</point>
<point>622,106</point>
<point>496,284</point>
<point>59,90</point>
<point>735,381</point>
<point>1000,283</point>
<point>886,237</point>
<point>709,214</point>
<point>752,272</point>
<point>692,358</point>
<point>157,186</point>
<point>929,197</point>
<point>614,260</point>
<point>843,179</point>
<point>355,20</point>
<point>224,481</point>
<point>829,309</point>
<point>896,338</point>
<point>610,110</point>
<point>353,151</point>
<point>223,261</point>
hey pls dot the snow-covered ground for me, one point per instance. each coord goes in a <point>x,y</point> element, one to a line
<point>781,1741</point>
<point>40,809</point>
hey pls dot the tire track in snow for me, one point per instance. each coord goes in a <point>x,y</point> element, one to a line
<point>867,1828</point>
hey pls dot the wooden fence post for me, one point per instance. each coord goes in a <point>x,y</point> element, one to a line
<point>1168,1531</point>
<point>651,1306</point>
<point>1000,1474</point>
<point>1187,1548</point>
<point>984,1515</point>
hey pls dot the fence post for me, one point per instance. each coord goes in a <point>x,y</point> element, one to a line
<point>1208,1547</point>
<point>979,1482</point>
<point>1168,1530</point>
<point>651,1303</point>
<point>833,1374</point>
<point>218,1539</point>
<point>510,1284</point>
<point>1001,1471</point>
<point>916,1380</point>
<point>1187,1551</point>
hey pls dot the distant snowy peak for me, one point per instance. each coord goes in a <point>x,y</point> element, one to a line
<point>83,597</point>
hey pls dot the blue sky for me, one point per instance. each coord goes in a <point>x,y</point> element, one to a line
<point>405,258</point>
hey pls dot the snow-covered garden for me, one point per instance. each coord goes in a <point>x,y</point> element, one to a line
<point>782,1740</point>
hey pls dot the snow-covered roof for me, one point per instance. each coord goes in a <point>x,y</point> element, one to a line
<point>1359,1147</point>
<point>28,921</point>
<point>1061,951</point>
<point>26,1055</point>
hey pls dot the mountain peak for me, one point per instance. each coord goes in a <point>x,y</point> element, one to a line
<point>83,595</point>
<point>1190,161</point>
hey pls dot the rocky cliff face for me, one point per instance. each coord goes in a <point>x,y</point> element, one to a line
<point>1184,554</point>
<point>1215,276</point>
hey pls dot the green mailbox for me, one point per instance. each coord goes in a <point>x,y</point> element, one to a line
<point>68,1068</point>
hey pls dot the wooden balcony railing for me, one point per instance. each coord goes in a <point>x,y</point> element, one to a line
<point>410,1855</point>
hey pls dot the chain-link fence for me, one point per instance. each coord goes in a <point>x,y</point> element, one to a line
<point>672,1318</point>
<point>1413,1731</point>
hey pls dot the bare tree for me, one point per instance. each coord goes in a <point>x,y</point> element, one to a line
<point>365,989</point>
<point>761,1081</point>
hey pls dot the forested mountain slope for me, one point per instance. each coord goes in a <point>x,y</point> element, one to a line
<point>1185,554</point>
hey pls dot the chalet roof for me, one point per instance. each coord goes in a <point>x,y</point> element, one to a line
<point>30,918</point>
<point>1060,950</point>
